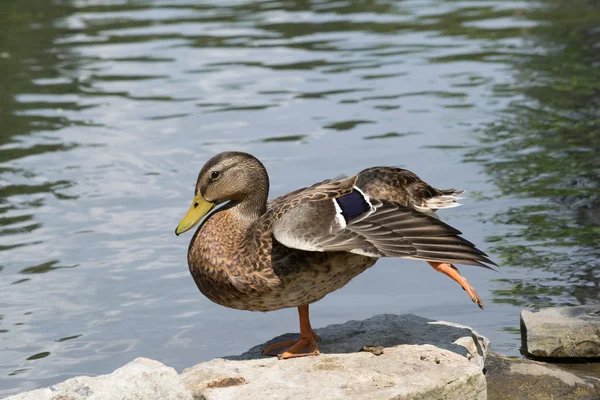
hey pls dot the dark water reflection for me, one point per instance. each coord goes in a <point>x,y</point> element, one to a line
<point>546,148</point>
<point>108,109</point>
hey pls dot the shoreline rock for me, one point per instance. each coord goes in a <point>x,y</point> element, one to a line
<point>407,371</point>
<point>561,332</point>
<point>141,378</point>
<point>389,330</point>
<point>421,359</point>
<point>384,357</point>
<point>510,378</point>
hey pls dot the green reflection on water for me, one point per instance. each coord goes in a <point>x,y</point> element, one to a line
<point>64,339</point>
<point>347,125</point>
<point>37,356</point>
<point>26,58</point>
<point>386,136</point>
<point>290,138</point>
<point>38,92</point>
<point>44,267</point>
<point>546,148</point>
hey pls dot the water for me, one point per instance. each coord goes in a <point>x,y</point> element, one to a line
<point>109,109</point>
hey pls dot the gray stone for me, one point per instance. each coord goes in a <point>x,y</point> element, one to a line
<point>421,359</point>
<point>561,332</point>
<point>140,379</point>
<point>390,330</point>
<point>516,379</point>
<point>384,357</point>
<point>403,372</point>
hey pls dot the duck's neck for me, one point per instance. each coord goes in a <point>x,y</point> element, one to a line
<point>253,205</point>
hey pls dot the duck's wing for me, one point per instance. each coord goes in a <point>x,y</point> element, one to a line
<point>333,216</point>
<point>321,191</point>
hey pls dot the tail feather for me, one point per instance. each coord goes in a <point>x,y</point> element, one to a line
<point>447,199</point>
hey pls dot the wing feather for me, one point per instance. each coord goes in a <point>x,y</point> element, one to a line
<point>388,229</point>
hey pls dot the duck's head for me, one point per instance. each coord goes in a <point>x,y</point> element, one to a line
<point>228,176</point>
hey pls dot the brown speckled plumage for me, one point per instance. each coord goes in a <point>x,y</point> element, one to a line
<point>236,261</point>
<point>399,185</point>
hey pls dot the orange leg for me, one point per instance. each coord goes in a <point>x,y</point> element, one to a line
<point>306,346</point>
<point>451,271</point>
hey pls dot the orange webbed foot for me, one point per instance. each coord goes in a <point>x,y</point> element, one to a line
<point>452,272</point>
<point>306,346</point>
<point>277,349</point>
<point>294,348</point>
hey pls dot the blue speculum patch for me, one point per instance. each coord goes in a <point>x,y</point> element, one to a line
<point>353,204</point>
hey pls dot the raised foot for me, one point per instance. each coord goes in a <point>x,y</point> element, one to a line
<point>451,271</point>
<point>472,293</point>
<point>305,346</point>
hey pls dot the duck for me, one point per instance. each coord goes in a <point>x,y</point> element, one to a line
<point>251,253</point>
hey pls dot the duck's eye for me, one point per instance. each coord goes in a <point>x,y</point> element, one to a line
<point>215,175</point>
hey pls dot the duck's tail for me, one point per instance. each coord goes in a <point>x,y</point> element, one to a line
<point>406,188</point>
<point>445,199</point>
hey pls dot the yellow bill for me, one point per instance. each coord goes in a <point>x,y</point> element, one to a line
<point>199,209</point>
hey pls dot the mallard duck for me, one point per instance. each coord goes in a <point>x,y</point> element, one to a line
<point>259,255</point>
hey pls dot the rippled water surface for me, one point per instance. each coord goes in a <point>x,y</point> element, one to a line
<point>109,109</point>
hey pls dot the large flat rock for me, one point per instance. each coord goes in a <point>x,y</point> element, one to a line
<point>562,332</point>
<point>403,357</point>
<point>403,372</point>
<point>389,330</point>
<point>140,379</point>
<point>422,359</point>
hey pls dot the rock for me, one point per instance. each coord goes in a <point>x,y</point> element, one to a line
<point>388,330</point>
<point>384,357</point>
<point>516,379</point>
<point>561,331</point>
<point>140,379</point>
<point>417,359</point>
<point>407,372</point>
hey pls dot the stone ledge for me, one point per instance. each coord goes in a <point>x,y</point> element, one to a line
<point>561,332</point>
<point>403,372</point>
<point>389,330</point>
<point>419,359</point>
